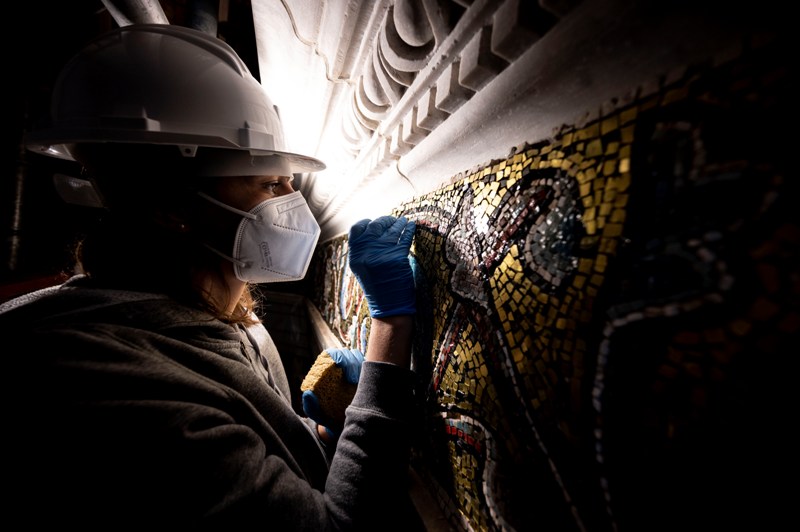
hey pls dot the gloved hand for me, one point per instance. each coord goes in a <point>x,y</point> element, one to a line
<point>379,258</point>
<point>329,386</point>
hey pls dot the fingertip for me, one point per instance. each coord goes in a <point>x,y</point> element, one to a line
<point>385,222</point>
<point>408,234</point>
<point>407,223</point>
<point>334,353</point>
<point>359,227</point>
<point>398,225</point>
<point>331,434</point>
<point>311,405</point>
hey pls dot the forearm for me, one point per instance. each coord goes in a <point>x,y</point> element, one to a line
<point>390,340</point>
<point>369,473</point>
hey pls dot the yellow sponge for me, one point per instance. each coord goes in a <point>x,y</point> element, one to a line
<point>327,382</point>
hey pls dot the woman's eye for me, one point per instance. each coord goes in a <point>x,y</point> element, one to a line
<point>274,186</point>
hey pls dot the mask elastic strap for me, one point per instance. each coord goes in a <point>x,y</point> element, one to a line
<point>232,209</point>
<point>226,257</point>
<point>226,206</point>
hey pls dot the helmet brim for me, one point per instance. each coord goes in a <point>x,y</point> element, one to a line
<point>210,160</point>
<point>230,162</point>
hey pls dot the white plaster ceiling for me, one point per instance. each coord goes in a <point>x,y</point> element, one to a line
<point>310,56</point>
<point>398,97</point>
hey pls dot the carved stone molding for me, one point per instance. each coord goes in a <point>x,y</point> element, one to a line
<point>427,59</point>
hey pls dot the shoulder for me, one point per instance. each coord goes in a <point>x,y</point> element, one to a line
<point>79,301</point>
<point>25,299</point>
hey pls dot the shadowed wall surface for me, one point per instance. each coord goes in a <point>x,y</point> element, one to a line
<point>605,315</point>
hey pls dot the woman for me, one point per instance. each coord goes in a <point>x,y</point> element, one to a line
<point>147,390</point>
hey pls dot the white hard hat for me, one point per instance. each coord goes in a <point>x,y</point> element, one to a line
<point>167,84</point>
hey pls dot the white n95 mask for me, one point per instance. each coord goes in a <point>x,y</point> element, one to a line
<point>275,240</point>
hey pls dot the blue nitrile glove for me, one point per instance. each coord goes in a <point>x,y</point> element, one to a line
<point>349,361</point>
<point>379,258</point>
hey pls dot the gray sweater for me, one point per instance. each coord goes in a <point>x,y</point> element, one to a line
<point>130,408</point>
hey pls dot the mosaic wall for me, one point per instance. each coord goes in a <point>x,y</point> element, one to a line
<point>604,315</point>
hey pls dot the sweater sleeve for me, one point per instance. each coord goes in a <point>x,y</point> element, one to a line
<point>369,472</point>
<point>367,484</point>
